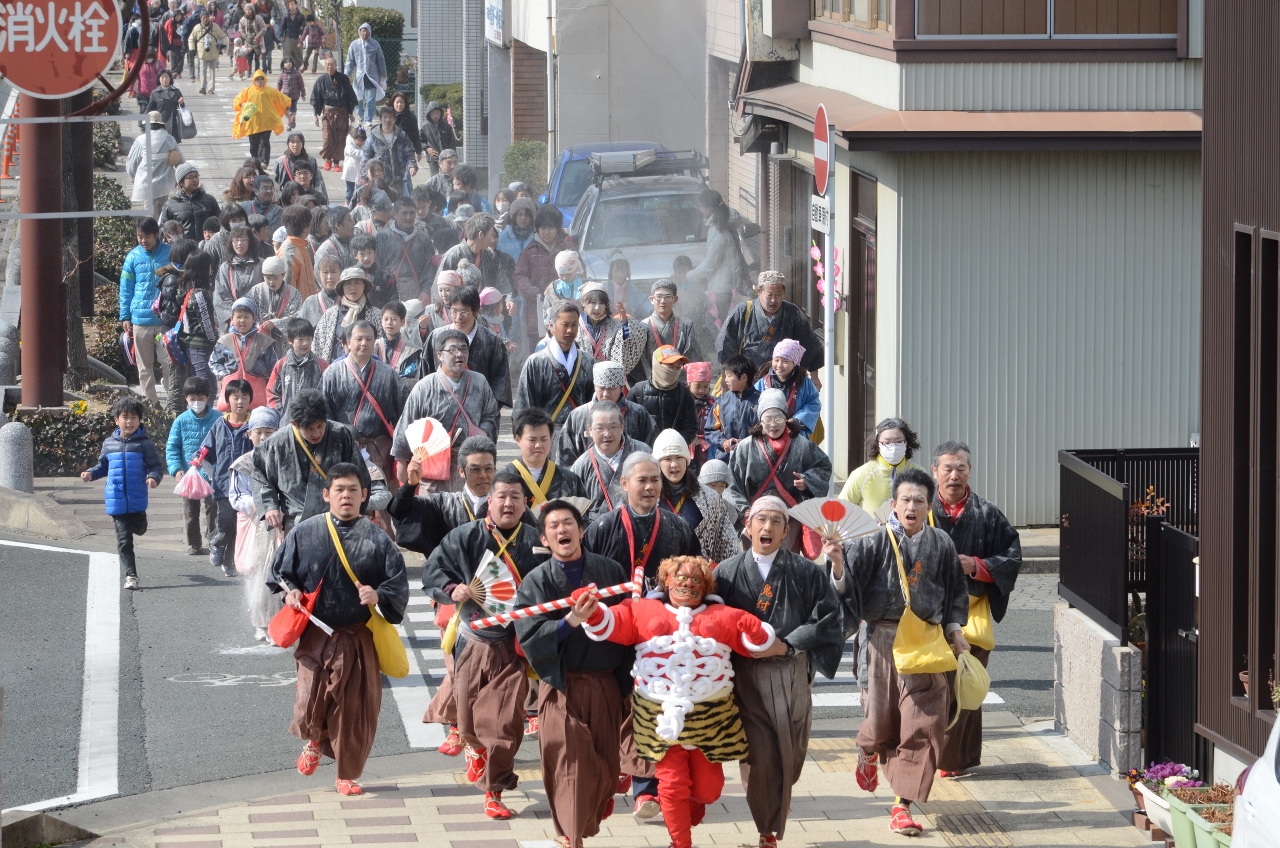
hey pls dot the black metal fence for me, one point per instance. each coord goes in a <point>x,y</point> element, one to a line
<point>1103,541</point>
<point>1172,636</point>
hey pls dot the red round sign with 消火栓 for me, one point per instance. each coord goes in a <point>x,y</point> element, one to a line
<point>56,48</point>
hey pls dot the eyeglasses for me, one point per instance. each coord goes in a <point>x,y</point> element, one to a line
<point>663,298</point>
<point>888,442</point>
<point>460,313</point>
<point>606,428</point>
<point>481,469</point>
<point>455,349</point>
<point>772,419</point>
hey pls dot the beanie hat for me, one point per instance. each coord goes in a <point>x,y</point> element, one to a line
<point>247,304</point>
<point>714,471</point>
<point>670,443</point>
<point>772,399</point>
<point>182,171</point>
<point>273,265</point>
<point>567,261</point>
<point>264,416</point>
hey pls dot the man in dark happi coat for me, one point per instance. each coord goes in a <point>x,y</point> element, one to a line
<point>991,556</point>
<point>291,468</point>
<point>459,399</point>
<point>582,681</point>
<point>489,681</point>
<point>543,479</point>
<point>487,352</point>
<point>756,326</point>
<point>609,380</point>
<point>640,535</point>
<point>422,521</point>
<point>777,460</point>
<point>906,714</point>
<point>559,378</point>
<point>600,467</point>
<point>364,393</point>
<point>405,252</point>
<point>667,399</point>
<point>339,692</point>
<point>795,597</point>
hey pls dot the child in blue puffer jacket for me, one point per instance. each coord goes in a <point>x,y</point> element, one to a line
<point>132,466</point>
<point>185,436</point>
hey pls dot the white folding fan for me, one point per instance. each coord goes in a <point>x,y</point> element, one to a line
<point>431,435</point>
<point>493,585</point>
<point>832,518</point>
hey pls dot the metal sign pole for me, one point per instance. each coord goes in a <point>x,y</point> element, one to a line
<point>829,334</point>
<point>43,318</point>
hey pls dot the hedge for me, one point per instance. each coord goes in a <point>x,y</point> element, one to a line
<point>448,95</point>
<point>113,237</point>
<point>526,162</point>
<point>388,30</point>
<point>70,442</point>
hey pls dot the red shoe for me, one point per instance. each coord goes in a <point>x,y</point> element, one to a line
<point>452,744</point>
<point>494,808</point>
<point>608,810</point>
<point>647,807</point>
<point>477,759</point>
<point>328,166</point>
<point>309,759</point>
<point>624,784</point>
<point>901,821</point>
<point>868,772</point>
<point>348,787</point>
<point>952,774</point>
<point>768,840</point>
<point>531,726</point>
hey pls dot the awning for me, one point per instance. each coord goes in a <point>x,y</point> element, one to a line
<point>861,125</point>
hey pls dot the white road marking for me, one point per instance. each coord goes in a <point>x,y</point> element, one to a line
<point>413,695</point>
<point>418,599</point>
<point>99,773</point>
<point>418,617</point>
<point>253,649</point>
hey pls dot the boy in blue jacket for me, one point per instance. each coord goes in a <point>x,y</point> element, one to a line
<point>139,287</point>
<point>185,436</point>
<point>226,440</point>
<point>734,414</point>
<point>132,466</point>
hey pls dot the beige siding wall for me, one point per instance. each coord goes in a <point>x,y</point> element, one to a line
<point>723,39</point>
<point>875,80</point>
<point>1053,86</point>
<point>1045,301</point>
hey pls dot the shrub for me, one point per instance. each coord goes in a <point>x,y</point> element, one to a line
<point>388,29</point>
<point>449,96</point>
<point>69,442</point>
<point>102,332</point>
<point>113,237</point>
<point>106,145</point>
<point>526,162</point>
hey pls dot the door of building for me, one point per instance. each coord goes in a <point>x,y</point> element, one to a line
<point>860,310</point>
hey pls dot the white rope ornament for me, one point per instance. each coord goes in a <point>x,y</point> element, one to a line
<point>681,670</point>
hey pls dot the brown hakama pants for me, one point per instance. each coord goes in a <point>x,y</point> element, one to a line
<point>906,717</point>
<point>334,125</point>
<point>339,695</point>
<point>631,761</point>
<point>962,749</point>
<point>579,742</point>
<point>775,701</point>
<point>489,688</point>
<point>442,709</point>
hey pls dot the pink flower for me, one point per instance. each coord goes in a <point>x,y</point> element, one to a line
<point>815,253</point>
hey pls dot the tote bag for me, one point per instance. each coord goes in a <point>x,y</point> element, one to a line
<point>919,647</point>
<point>392,659</point>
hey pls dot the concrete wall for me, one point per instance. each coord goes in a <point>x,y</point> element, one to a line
<point>1097,690</point>
<point>628,71</point>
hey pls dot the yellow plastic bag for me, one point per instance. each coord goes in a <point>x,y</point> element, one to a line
<point>393,661</point>
<point>980,631</point>
<point>972,682</point>
<point>918,647</point>
<point>449,637</point>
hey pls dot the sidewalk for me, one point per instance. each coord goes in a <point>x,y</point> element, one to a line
<point>1027,794</point>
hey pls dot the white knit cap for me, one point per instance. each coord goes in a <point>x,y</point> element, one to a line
<point>772,399</point>
<point>670,443</point>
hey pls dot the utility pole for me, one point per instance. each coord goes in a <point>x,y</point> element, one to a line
<point>44,312</point>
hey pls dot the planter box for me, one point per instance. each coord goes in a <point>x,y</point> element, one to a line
<point>1204,830</point>
<point>1157,808</point>
<point>1183,832</point>
<point>1223,839</point>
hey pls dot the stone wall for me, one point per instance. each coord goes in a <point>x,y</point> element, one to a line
<point>1097,690</point>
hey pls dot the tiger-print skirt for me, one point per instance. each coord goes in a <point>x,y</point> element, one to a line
<point>713,726</point>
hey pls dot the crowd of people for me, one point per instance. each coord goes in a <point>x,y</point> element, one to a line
<point>664,437</point>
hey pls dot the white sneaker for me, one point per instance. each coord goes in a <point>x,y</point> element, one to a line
<point>260,634</point>
<point>131,583</point>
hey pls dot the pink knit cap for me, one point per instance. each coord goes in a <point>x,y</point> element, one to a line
<point>698,372</point>
<point>789,349</point>
<point>489,296</point>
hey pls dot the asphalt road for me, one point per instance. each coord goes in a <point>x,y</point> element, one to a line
<point>201,701</point>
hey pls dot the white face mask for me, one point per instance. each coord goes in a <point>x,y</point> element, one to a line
<point>893,454</point>
<point>503,206</point>
<point>198,407</point>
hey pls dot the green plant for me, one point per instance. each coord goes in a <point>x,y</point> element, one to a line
<point>448,95</point>
<point>113,237</point>
<point>69,442</point>
<point>102,332</point>
<point>526,161</point>
<point>388,30</point>
<point>106,145</point>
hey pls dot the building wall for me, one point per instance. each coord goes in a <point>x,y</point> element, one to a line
<point>630,71</point>
<point>1045,301</point>
<point>528,92</point>
<point>440,33</point>
<point>724,37</point>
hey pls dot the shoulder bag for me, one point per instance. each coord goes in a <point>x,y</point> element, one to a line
<point>392,659</point>
<point>919,647</point>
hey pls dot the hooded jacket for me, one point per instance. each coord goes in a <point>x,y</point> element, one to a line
<point>140,284</point>
<point>190,210</point>
<point>259,109</point>
<point>366,63</point>
<point>438,135</point>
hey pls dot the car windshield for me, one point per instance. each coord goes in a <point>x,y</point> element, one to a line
<point>575,179</point>
<point>634,221</point>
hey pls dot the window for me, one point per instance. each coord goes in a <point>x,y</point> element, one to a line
<point>638,221</point>
<point>1242,365</point>
<point>864,14</point>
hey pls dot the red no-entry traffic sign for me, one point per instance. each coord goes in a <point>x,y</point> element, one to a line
<point>821,151</point>
<point>56,48</point>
